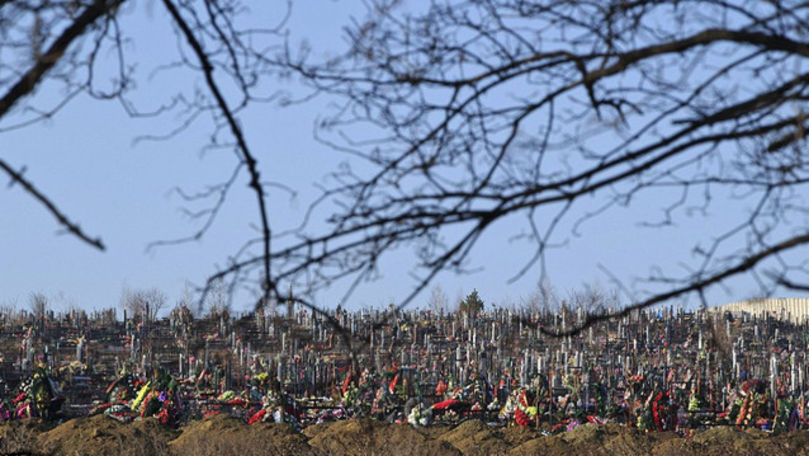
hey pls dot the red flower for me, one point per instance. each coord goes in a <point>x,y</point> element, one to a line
<point>521,418</point>
<point>257,416</point>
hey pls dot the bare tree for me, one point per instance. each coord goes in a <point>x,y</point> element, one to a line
<point>438,302</point>
<point>144,304</point>
<point>38,303</point>
<point>593,298</point>
<point>185,304</point>
<point>543,298</point>
<point>82,48</point>
<point>219,301</point>
<point>8,308</point>
<point>457,115</point>
<point>130,304</point>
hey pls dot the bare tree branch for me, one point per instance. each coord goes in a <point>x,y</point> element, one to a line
<point>28,81</point>
<point>63,220</point>
<point>246,154</point>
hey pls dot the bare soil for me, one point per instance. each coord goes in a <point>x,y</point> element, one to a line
<point>221,434</point>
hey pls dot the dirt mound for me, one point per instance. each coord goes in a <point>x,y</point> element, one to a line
<point>102,436</point>
<point>542,445</point>
<point>20,436</point>
<point>435,431</point>
<point>676,447</point>
<point>722,435</point>
<point>367,436</point>
<point>587,439</point>
<point>474,437</point>
<point>629,442</point>
<point>311,431</point>
<point>796,442</point>
<point>221,434</point>
<point>225,435</point>
<point>585,434</point>
<point>729,440</point>
<point>517,435</point>
<point>464,430</point>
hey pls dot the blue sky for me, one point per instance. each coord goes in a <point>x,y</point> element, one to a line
<point>88,161</point>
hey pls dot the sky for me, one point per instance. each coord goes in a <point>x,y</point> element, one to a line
<point>89,160</point>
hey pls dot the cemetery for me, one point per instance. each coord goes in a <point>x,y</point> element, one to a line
<point>663,377</point>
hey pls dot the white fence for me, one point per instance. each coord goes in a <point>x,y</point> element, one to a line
<point>795,310</point>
